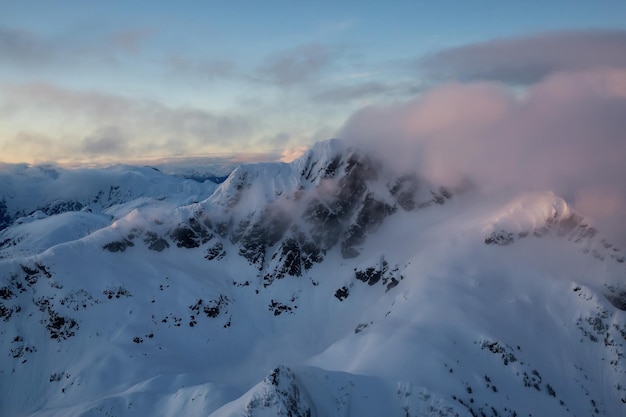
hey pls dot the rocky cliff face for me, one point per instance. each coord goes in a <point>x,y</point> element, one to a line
<point>283,221</point>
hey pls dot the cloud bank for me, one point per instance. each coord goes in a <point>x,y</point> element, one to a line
<point>564,132</point>
<point>114,126</point>
<point>528,59</point>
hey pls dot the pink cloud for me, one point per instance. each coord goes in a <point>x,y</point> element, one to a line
<point>290,154</point>
<point>566,133</point>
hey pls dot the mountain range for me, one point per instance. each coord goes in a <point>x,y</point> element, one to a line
<point>333,285</point>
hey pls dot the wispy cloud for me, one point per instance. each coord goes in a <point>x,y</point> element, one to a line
<point>342,94</point>
<point>29,50</point>
<point>290,154</point>
<point>336,27</point>
<point>130,40</point>
<point>203,68</point>
<point>54,99</point>
<point>121,126</point>
<point>298,65</point>
<point>105,141</point>
<point>524,60</point>
<point>25,48</point>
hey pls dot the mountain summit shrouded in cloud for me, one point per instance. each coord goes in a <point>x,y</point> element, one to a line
<point>564,130</point>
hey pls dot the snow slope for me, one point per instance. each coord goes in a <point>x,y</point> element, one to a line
<point>330,286</point>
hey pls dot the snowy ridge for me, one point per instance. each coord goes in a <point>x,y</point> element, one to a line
<point>313,392</point>
<point>542,214</point>
<point>330,286</point>
<point>25,189</point>
<point>529,212</point>
<point>263,183</point>
<point>39,232</point>
<point>32,197</point>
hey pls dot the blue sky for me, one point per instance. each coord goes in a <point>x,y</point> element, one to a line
<point>88,81</point>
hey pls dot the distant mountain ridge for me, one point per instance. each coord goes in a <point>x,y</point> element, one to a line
<point>53,190</point>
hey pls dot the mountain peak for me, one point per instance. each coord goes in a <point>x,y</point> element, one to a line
<point>528,212</point>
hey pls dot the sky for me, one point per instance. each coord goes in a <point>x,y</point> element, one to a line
<point>118,81</point>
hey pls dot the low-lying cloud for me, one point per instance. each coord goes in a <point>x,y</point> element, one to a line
<point>118,126</point>
<point>566,133</point>
<point>105,141</point>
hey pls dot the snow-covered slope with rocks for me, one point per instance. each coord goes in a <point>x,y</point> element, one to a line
<point>329,286</point>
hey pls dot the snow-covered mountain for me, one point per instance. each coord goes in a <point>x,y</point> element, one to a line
<point>329,286</point>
